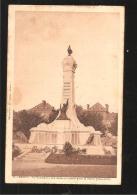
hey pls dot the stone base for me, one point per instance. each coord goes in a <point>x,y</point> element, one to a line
<point>59,132</point>
<point>95,150</point>
<point>59,138</point>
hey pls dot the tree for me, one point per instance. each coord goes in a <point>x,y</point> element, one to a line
<point>19,135</point>
<point>15,151</point>
<point>90,118</point>
<point>53,115</point>
<point>114,126</point>
<point>68,149</point>
<point>23,121</point>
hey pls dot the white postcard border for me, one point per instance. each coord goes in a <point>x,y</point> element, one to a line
<point>10,78</point>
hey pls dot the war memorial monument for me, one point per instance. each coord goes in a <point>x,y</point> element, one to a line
<point>67,127</point>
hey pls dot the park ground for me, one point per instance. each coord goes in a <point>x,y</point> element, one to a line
<point>24,168</point>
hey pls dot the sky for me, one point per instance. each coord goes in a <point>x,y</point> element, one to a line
<point>41,42</point>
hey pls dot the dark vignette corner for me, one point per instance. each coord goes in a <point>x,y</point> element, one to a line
<point>129,170</point>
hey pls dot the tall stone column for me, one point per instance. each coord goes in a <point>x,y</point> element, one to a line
<point>69,66</point>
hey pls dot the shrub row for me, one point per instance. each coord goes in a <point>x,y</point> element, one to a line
<point>81,159</point>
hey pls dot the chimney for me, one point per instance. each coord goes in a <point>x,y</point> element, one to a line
<point>107,107</point>
<point>87,106</point>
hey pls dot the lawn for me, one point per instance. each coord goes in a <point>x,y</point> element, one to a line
<point>24,168</point>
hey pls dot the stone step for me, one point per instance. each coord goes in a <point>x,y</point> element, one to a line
<point>34,157</point>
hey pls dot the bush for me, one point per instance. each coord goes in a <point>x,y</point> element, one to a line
<point>60,151</point>
<point>84,151</point>
<point>34,149</point>
<point>79,151</point>
<point>54,149</point>
<point>47,149</point>
<point>15,151</point>
<point>67,149</point>
<point>82,159</point>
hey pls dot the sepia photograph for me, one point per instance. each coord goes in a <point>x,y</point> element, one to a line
<point>64,94</point>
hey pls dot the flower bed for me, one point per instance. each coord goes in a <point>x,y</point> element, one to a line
<point>81,159</point>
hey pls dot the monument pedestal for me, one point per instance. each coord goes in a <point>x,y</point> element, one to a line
<point>95,150</point>
<point>59,132</point>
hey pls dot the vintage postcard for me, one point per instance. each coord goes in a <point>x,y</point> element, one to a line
<point>64,94</point>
